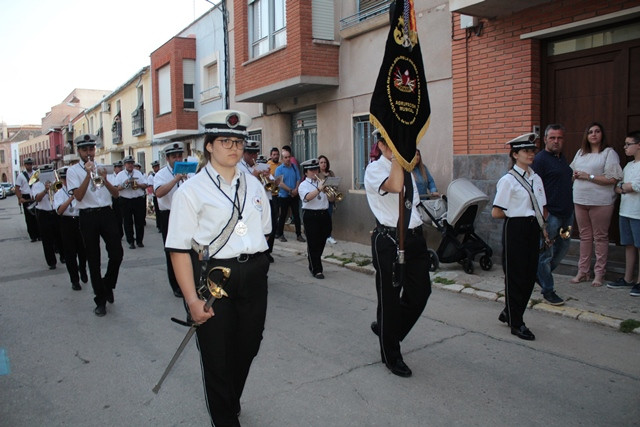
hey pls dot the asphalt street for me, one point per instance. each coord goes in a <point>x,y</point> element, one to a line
<point>319,363</point>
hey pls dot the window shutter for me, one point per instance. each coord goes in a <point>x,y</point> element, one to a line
<point>189,71</point>
<point>164,90</point>
<point>322,19</point>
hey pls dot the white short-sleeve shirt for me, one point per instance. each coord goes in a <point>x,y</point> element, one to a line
<point>62,196</point>
<point>200,211</point>
<point>92,199</point>
<point>320,202</point>
<point>514,199</point>
<point>385,205</point>
<point>130,193</point>
<point>45,203</point>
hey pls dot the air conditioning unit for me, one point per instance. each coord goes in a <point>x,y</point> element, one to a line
<point>106,107</point>
<point>70,127</point>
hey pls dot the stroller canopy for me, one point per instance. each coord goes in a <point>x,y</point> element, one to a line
<point>461,194</point>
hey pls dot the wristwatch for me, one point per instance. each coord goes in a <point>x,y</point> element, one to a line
<point>591,177</point>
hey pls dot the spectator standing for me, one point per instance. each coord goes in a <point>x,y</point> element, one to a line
<point>629,189</point>
<point>425,182</point>
<point>288,196</point>
<point>552,167</point>
<point>596,168</point>
<point>325,172</point>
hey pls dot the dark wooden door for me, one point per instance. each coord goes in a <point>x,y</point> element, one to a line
<point>600,84</point>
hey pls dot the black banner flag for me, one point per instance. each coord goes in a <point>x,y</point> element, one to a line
<point>400,107</point>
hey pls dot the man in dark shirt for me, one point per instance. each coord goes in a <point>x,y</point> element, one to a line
<point>556,174</point>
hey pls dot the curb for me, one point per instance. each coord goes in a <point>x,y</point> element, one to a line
<point>571,312</point>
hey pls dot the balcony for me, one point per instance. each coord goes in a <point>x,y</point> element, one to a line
<point>366,20</point>
<point>492,8</point>
<point>116,132</point>
<point>137,122</point>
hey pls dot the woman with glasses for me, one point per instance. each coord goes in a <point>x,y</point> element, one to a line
<point>220,218</point>
<point>596,168</point>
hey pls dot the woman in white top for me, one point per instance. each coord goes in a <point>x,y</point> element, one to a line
<point>520,200</point>
<point>596,168</point>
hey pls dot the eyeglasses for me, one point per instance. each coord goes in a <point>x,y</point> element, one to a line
<point>629,144</point>
<point>228,143</point>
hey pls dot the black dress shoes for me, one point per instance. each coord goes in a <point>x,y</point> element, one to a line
<point>270,258</point>
<point>523,333</point>
<point>399,368</point>
<point>503,317</point>
<point>132,245</point>
<point>83,276</point>
<point>76,286</point>
<point>100,310</point>
<point>177,293</point>
<point>319,276</point>
<point>140,245</point>
<point>52,267</point>
<point>375,329</point>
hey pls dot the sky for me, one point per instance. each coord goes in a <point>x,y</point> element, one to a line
<point>48,48</point>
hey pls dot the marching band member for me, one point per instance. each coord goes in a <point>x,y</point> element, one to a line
<point>23,194</point>
<point>399,307</point>
<point>155,167</point>
<point>97,220</point>
<point>115,201</point>
<point>221,216</point>
<point>48,223</point>
<point>165,184</point>
<point>520,201</point>
<point>74,252</point>
<point>131,184</point>
<point>315,216</point>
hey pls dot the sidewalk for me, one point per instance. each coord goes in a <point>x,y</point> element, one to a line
<point>608,307</point>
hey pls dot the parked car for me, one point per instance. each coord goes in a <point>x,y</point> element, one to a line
<point>3,193</point>
<point>9,189</point>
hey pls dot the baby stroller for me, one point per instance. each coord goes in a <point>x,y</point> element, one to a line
<point>453,215</point>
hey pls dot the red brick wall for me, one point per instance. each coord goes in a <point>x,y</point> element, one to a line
<point>173,52</point>
<point>496,76</point>
<point>299,57</point>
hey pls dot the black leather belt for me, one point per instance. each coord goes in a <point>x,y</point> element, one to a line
<point>89,210</point>
<point>241,258</point>
<point>392,230</point>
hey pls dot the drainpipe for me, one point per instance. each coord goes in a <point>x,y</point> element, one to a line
<point>223,9</point>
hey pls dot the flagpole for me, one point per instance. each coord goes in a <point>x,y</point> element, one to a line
<point>401,230</point>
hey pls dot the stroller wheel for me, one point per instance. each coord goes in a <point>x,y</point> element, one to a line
<point>434,262</point>
<point>485,262</point>
<point>467,265</point>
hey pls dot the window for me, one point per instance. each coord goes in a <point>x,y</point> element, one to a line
<point>137,116</point>
<point>267,26</point>
<point>362,142</point>
<point>256,135</point>
<point>140,157</point>
<point>1,156</point>
<point>189,78</point>
<point>322,19</point>
<point>164,90</point>
<point>210,84</point>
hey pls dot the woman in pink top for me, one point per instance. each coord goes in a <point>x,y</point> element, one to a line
<point>596,168</point>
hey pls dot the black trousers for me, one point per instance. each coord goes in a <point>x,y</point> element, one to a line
<point>49,227</point>
<point>115,204</point>
<point>520,240</point>
<point>162,220</point>
<point>230,340</point>
<point>74,251</point>
<point>273,203</point>
<point>399,308</point>
<point>156,209</point>
<point>96,224</point>
<point>134,212</point>
<point>284,204</point>
<point>317,227</point>
<point>30,218</point>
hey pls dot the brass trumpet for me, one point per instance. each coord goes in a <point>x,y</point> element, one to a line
<point>565,234</point>
<point>96,180</point>
<point>269,186</point>
<point>331,191</point>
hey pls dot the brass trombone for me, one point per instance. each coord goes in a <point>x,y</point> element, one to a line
<point>34,178</point>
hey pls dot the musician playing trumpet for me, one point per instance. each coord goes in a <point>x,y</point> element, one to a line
<point>315,215</point>
<point>23,194</point>
<point>48,221</point>
<point>165,184</point>
<point>97,220</point>
<point>131,185</point>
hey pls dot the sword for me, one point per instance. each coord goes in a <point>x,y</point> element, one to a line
<point>209,291</point>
